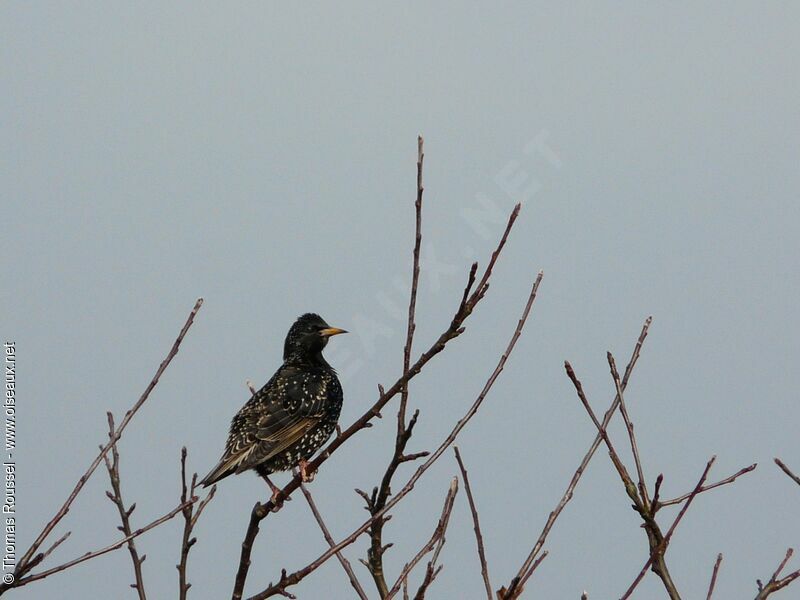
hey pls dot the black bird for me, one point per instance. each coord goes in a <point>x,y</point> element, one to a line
<point>293,415</point>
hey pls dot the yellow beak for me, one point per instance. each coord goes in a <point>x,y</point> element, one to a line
<point>331,331</point>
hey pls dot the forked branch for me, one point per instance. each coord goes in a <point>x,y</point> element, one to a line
<point>776,582</point>
<point>112,465</point>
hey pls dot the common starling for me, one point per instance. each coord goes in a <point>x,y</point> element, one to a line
<point>293,415</point>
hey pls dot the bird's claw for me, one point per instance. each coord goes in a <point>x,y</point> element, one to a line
<point>276,503</point>
<point>305,475</point>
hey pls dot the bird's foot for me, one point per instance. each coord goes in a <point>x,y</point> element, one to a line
<point>306,475</point>
<point>277,503</point>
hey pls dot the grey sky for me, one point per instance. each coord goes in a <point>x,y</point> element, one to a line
<point>264,159</point>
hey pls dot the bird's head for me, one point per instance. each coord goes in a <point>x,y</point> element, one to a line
<point>308,336</point>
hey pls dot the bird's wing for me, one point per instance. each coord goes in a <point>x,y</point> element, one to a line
<point>276,417</point>
<point>291,411</point>
<point>275,442</point>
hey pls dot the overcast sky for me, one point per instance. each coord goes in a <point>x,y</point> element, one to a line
<point>264,159</point>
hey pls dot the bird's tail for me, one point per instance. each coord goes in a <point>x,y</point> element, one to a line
<point>221,471</point>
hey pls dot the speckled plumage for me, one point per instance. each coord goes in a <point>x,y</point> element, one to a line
<point>293,415</point>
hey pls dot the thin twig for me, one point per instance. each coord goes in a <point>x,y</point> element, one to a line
<point>436,541</point>
<point>513,589</point>
<point>377,501</point>
<point>294,578</point>
<point>476,526</point>
<point>711,486</point>
<point>788,471</point>
<point>412,302</point>
<point>470,300</point>
<point>533,567</point>
<point>329,538</point>
<point>190,517</point>
<point>662,547</point>
<point>55,545</point>
<point>112,465</point>
<point>433,569</point>
<point>24,564</point>
<point>94,554</point>
<point>629,426</point>
<point>714,576</point>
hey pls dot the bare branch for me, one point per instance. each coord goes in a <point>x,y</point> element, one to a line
<point>662,547</point>
<point>774,584</point>
<point>513,587</point>
<point>94,554</point>
<point>517,585</point>
<point>786,470</point>
<point>476,526</point>
<point>436,541</point>
<point>714,576</point>
<point>329,538</point>
<point>112,465</point>
<point>24,564</point>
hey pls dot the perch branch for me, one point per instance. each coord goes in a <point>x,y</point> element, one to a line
<point>294,578</point>
<point>469,301</point>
